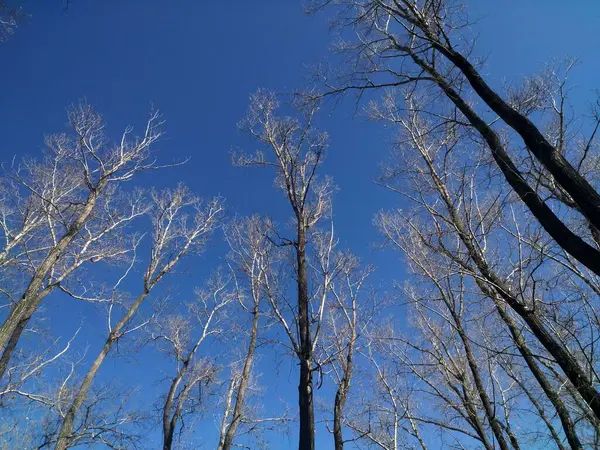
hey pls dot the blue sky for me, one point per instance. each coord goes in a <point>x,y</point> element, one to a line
<point>199,61</point>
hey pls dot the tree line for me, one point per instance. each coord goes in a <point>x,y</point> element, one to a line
<point>490,341</point>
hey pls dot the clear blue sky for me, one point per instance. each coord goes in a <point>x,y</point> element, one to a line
<point>198,61</point>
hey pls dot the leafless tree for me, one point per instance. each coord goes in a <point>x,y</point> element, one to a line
<point>32,389</point>
<point>382,412</point>
<point>19,377</point>
<point>464,220</point>
<point>251,256</point>
<point>296,152</point>
<point>180,225</point>
<point>346,318</point>
<point>429,44</point>
<point>110,421</point>
<point>67,212</point>
<point>184,336</point>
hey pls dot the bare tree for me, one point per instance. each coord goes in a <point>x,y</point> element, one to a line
<point>251,256</point>
<point>297,151</point>
<point>429,43</point>
<point>70,194</point>
<point>346,318</point>
<point>207,316</point>
<point>463,219</point>
<point>174,235</point>
<point>19,377</point>
<point>32,389</point>
<point>382,414</point>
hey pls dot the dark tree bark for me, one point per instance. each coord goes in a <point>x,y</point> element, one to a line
<point>422,32</point>
<point>305,386</point>
<point>567,362</point>
<point>342,395</point>
<point>297,150</point>
<point>582,193</point>
<point>483,396</point>
<point>549,390</point>
<point>573,244</point>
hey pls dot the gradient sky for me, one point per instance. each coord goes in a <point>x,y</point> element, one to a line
<point>198,61</point>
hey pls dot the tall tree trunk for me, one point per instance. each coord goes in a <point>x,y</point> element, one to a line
<point>563,357</point>
<point>561,409</point>
<point>563,172</point>
<point>14,325</point>
<point>170,431</point>
<point>474,419</point>
<point>171,416</point>
<point>338,409</point>
<point>586,254</point>
<point>483,396</point>
<point>19,329</point>
<point>342,393</point>
<point>305,386</point>
<point>65,435</point>
<point>170,419</point>
<point>567,362</point>
<point>236,416</point>
<point>170,422</point>
<point>168,436</point>
<point>558,440</point>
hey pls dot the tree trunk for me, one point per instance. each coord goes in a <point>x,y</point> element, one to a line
<point>168,422</point>
<point>569,241</point>
<point>338,409</point>
<point>305,386</point>
<point>18,331</point>
<point>561,410</point>
<point>169,426</point>
<point>168,433</point>
<point>227,439</point>
<point>65,437</point>
<point>15,323</point>
<point>342,393</point>
<point>473,418</point>
<point>66,430</point>
<point>563,172</point>
<point>170,419</point>
<point>567,362</point>
<point>483,396</point>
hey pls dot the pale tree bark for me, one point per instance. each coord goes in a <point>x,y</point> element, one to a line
<point>103,240</point>
<point>296,150</point>
<point>94,167</point>
<point>173,237</point>
<point>234,413</point>
<point>446,192</point>
<point>209,314</point>
<point>251,256</point>
<point>346,319</point>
